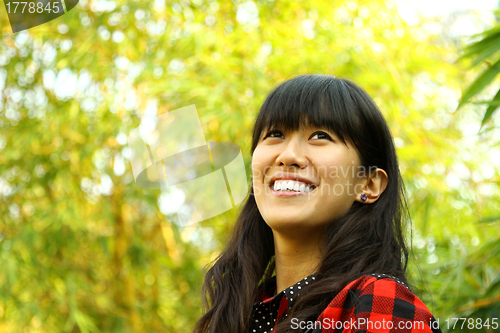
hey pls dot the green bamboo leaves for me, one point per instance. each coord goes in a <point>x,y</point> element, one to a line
<point>485,50</point>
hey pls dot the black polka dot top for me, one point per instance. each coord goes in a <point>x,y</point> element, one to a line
<point>268,311</point>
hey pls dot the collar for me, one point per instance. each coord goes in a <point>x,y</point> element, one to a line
<point>277,305</point>
<point>267,290</point>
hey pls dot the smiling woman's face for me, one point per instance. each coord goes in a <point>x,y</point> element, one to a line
<point>304,179</point>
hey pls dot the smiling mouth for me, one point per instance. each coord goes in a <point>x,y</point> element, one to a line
<point>291,186</point>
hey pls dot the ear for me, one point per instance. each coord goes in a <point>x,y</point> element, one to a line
<point>375,185</point>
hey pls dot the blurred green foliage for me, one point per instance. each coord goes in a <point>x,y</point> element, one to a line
<point>486,51</point>
<point>83,249</point>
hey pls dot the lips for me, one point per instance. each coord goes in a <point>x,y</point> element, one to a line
<point>290,176</point>
<point>291,185</point>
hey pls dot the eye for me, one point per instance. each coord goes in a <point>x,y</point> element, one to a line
<point>321,135</point>
<point>274,134</point>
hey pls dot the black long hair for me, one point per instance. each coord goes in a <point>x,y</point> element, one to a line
<point>368,239</point>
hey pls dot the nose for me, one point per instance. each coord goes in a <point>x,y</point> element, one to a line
<point>292,154</point>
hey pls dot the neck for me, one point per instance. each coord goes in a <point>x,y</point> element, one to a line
<point>295,259</point>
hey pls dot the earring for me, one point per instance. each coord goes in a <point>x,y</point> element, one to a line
<point>364,197</point>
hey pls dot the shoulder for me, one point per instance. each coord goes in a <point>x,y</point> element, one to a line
<point>378,300</point>
<point>378,288</point>
<point>380,285</point>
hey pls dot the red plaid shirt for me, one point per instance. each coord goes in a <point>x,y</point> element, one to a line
<point>374,303</point>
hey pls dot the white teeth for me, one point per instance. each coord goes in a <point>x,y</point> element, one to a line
<point>291,185</point>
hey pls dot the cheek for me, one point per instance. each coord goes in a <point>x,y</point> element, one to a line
<point>328,169</point>
<point>259,164</point>
<point>255,170</point>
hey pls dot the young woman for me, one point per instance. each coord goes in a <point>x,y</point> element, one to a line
<point>319,243</point>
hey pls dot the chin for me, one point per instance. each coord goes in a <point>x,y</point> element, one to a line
<point>285,222</point>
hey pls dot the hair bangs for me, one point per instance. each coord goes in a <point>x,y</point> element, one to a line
<point>320,101</point>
